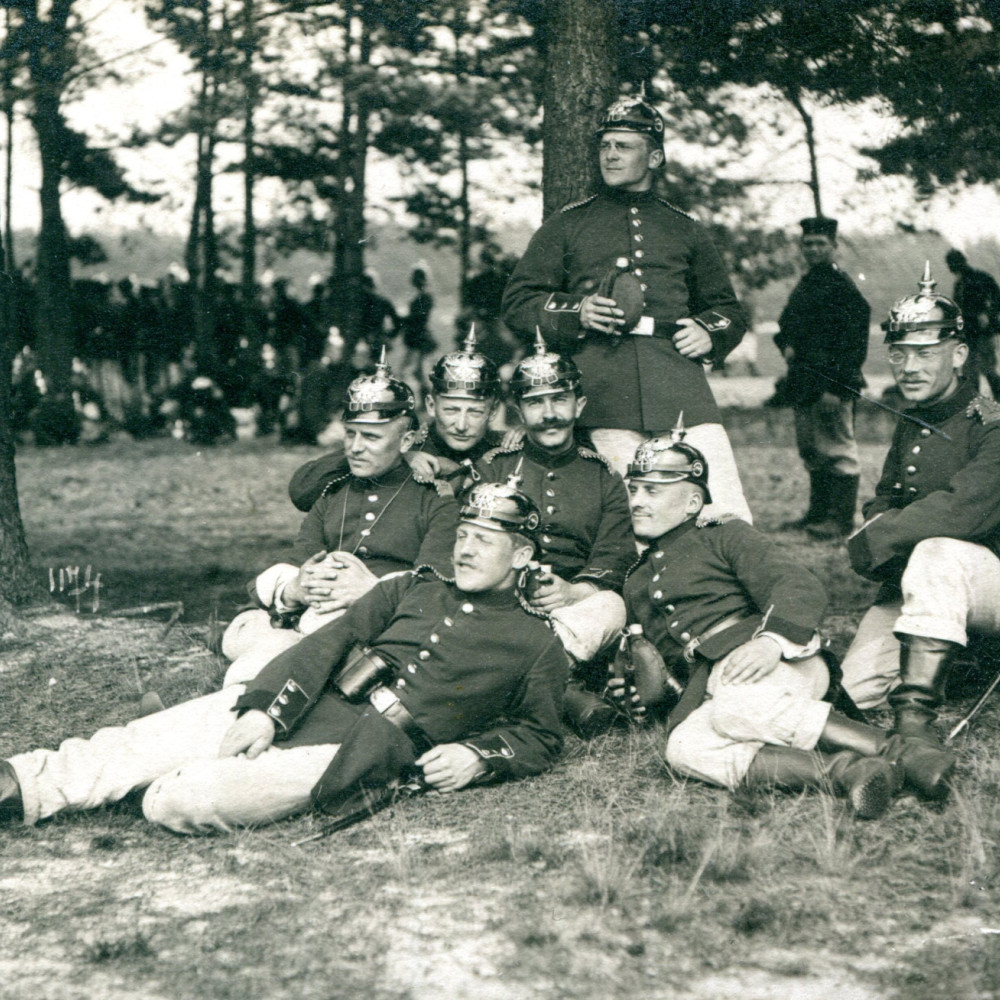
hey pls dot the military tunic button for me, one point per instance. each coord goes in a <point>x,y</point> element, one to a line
<point>546,539</point>
<point>401,683</point>
<point>925,432</point>
<point>912,489</point>
<point>637,222</point>
<point>365,532</point>
<point>634,210</point>
<point>638,272</point>
<point>467,607</point>
<point>910,469</point>
<point>657,595</point>
<point>448,622</point>
<point>656,577</point>
<point>550,493</point>
<point>550,509</point>
<point>637,237</point>
<point>644,287</point>
<point>550,475</point>
<point>670,607</point>
<point>685,636</point>
<point>363,551</point>
<point>424,654</point>
<point>674,624</point>
<point>412,667</point>
<point>916,449</point>
<point>373,498</point>
<point>274,710</point>
<point>638,253</point>
<point>658,555</point>
<point>435,637</point>
<point>369,516</point>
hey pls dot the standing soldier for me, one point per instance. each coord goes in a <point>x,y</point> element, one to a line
<point>931,535</point>
<point>635,290</point>
<point>977,296</point>
<point>824,338</point>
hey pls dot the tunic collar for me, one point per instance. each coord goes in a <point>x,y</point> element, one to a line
<point>545,458</point>
<point>489,598</point>
<point>937,413</point>
<point>662,543</point>
<point>629,197</point>
<point>438,446</point>
<point>396,476</point>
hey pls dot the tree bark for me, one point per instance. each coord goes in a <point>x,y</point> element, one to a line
<point>795,97</point>
<point>248,275</point>
<point>581,79</point>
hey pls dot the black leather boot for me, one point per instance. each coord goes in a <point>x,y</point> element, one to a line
<point>11,806</point>
<point>923,670</point>
<point>839,520</point>
<point>866,782</point>
<point>816,511</point>
<point>586,713</point>
<point>921,768</point>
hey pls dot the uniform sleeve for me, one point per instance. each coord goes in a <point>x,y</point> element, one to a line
<point>312,537</point>
<point>849,339</point>
<point>535,294</point>
<point>440,515</point>
<point>791,598</point>
<point>299,675</point>
<point>883,489</point>
<point>969,510</point>
<point>530,738</point>
<point>613,550</point>
<point>711,299</point>
<point>309,480</point>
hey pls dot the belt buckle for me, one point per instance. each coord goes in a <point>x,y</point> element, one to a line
<point>382,699</point>
<point>646,327</point>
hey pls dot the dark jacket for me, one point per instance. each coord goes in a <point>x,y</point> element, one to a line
<point>935,483</point>
<point>826,323</point>
<point>586,532</point>
<point>471,668</point>
<point>635,382</point>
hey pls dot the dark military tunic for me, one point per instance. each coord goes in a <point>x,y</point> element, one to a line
<point>933,485</point>
<point>826,324</point>
<point>586,532</point>
<point>633,382</point>
<point>693,578</point>
<point>471,668</point>
<point>391,523</point>
<point>458,467</point>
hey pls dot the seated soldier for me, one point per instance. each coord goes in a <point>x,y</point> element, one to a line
<point>586,544</point>
<point>932,532</point>
<point>460,685</point>
<point>465,391</point>
<point>371,521</point>
<point>731,615</point>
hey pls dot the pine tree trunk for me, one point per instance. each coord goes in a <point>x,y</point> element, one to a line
<point>581,79</point>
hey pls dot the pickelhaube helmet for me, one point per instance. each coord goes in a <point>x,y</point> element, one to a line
<point>466,373</point>
<point>378,398</point>
<point>924,319</point>
<point>633,114</point>
<point>502,507</point>
<point>544,373</point>
<point>669,459</point>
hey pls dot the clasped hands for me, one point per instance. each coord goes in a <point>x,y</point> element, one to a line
<point>329,581</point>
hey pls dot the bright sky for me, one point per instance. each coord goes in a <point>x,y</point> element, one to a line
<point>157,84</point>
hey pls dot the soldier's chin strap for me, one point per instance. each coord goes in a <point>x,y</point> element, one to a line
<point>902,414</point>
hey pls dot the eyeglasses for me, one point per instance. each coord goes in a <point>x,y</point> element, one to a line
<point>923,354</point>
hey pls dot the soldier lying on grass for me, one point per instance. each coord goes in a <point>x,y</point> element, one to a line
<point>461,684</point>
<point>735,618</point>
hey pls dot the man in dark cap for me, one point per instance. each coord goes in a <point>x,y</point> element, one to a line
<point>737,621</point>
<point>451,682</point>
<point>824,338</point>
<point>978,297</point>
<point>633,288</point>
<point>931,535</point>
<point>585,542</point>
<point>372,519</point>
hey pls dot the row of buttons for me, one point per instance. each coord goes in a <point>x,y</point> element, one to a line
<point>433,638</point>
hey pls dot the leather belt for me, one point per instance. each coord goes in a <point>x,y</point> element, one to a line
<point>393,710</point>
<point>728,622</point>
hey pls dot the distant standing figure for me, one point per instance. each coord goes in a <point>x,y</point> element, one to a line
<point>379,321</point>
<point>824,338</point>
<point>978,297</point>
<point>419,343</point>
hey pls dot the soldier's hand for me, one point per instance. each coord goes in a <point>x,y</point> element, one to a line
<point>512,439</point>
<point>451,766</point>
<point>552,592</point>
<point>423,466</point>
<point>252,733</point>
<point>312,573</point>
<point>615,692</point>
<point>693,341</point>
<point>350,580</point>
<point>601,314</point>
<point>829,406</point>
<point>751,662</point>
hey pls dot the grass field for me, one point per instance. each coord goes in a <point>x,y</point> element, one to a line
<point>608,877</point>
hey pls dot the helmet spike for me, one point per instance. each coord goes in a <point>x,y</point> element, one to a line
<point>927,283</point>
<point>678,432</point>
<point>470,340</point>
<point>540,346</point>
<point>382,368</point>
<point>515,479</point>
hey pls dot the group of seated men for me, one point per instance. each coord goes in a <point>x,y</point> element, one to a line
<point>449,602</point>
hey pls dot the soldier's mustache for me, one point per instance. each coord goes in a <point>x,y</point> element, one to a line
<point>553,423</point>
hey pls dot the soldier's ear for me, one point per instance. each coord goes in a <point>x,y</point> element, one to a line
<point>655,157</point>
<point>524,552</point>
<point>961,354</point>
<point>581,402</point>
<point>695,501</point>
<point>406,442</point>
<point>429,404</point>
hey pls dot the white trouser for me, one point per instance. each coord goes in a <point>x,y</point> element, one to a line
<point>949,587</point>
<point>255,643</point>
<point>590,625</point>
<point>618,447</point>
<point>718,741</point>
<point>175,753</point>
